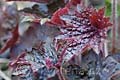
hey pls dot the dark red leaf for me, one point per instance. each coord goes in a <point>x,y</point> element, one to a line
<point>56,16</point>
<point>75,2</point>
<point>11,42</point>
<point>72,3</point>
<point>98,19</point>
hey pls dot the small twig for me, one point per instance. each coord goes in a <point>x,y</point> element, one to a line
<point>114,17</point>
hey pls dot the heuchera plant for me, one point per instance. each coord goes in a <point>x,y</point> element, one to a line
<point>81,28</point>
<point>84,29</point>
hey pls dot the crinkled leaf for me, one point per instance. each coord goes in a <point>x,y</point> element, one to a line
<point>33,36</point>
<point>9,20</point>
<point>86,28</point>
<point>37,61</point>
<point>111,67</point>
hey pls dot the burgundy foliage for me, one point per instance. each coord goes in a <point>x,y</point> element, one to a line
<point>84,29</point>
<point>43,48</point>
